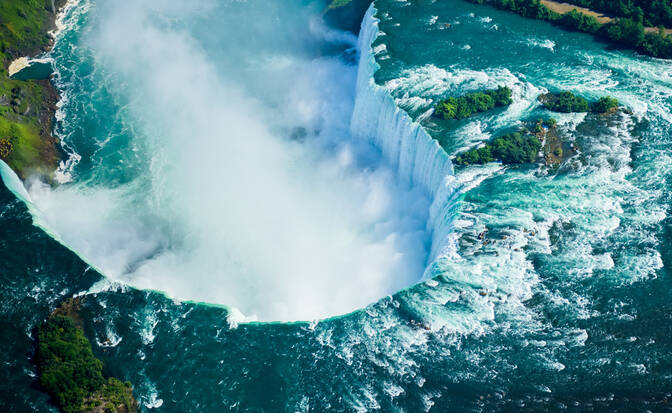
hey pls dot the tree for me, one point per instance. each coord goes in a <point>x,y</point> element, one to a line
<point>512,148</point>
<point>469,104</point>
<point>625,31</point>
<point>604,105</point>
<point>564,102</point>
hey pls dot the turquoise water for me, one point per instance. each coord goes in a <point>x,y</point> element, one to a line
<point>566,305</point>
<point>36,70</point>
<point>230,161</point>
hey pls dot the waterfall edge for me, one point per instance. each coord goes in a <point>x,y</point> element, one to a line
<point>407,147</point>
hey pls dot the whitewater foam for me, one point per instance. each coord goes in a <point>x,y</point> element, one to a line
<point>330,241</point>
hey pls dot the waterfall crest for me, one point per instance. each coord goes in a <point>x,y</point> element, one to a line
<point>417,157</point>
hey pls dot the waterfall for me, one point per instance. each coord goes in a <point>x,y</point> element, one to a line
<point>417,157</point>
<point>13,182</point>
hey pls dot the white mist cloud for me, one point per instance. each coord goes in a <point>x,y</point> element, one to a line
<point>228,209</point>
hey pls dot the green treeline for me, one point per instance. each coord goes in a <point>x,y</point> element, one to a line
<point>625,31</point>
<point>650,12</point>
<point>567,102</point>
<point>472,103</point>
<point>512,148</point>
<point>72,375</point>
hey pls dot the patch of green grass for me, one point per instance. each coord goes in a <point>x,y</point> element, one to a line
<point>26,142</point>
<point>23,26</point>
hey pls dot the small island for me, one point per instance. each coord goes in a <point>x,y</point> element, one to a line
<point>512,148</point>
<point>567,102</point>
<point>539,138</point>
<point>467,105</point>
<point>69,371</point>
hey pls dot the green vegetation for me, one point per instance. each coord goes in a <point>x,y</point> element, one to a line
<point>526,8</point>
<point>6,148</point>
<point>512,148</point>
<point>564,102</point>
<point>338,3</point>
<point>627,30</point>
<point>567,102</point>
<point>605,104</point>
<point>467,105</point>
<point>650,12</point>
<point>26,106</point>
<point>540,137</point>
<point>579,21</point>
<point>72,375</point>
<point>24,25</point>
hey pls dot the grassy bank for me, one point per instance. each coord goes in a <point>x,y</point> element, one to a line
<point>27,106</point>
<point>626,31</point>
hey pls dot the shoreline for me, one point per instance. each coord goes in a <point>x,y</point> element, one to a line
<point>28,112</point>
<point>602,18</point>
<point>18,65</point>
<point>620,31</point>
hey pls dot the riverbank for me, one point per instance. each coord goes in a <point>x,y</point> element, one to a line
<point>562,8</point>
<point>27,107</point>
<point>624,32</point>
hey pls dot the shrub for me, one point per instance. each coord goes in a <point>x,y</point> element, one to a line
<point>502,96</point>
<point>512,148</point>
<point>657,44</point>
<point>624,31</point>
<point>467,105</point>
<point>604,105</point>
<point>516,148</point>
<point>5,148</point>
<point>579,21</point>
<point>565,102</point>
